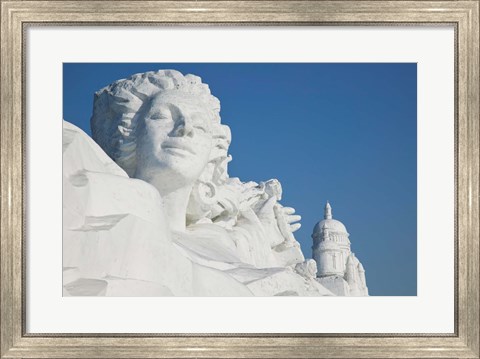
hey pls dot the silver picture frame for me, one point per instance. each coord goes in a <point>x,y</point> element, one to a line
<point>16,16</point>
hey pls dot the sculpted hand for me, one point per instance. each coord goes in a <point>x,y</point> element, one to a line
<point>270,226</point>
<point>286,219</point>
<point>279,221</point>
<point>290,217</point>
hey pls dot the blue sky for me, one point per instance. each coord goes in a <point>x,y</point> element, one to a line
<point>346,133</point>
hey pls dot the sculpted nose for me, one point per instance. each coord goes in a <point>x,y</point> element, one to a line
<point>184,128</point>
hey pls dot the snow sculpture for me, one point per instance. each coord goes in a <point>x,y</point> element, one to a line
<point>338,268</point>
<point>164,217</point>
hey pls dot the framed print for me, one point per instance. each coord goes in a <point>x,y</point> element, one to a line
<point>194,134</point>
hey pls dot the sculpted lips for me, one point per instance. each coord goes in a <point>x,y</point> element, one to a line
<point>175,145</point>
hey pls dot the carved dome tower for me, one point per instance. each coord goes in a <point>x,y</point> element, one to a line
<point>331,246</point>
<point>338,268</point>
<point>327,254</point>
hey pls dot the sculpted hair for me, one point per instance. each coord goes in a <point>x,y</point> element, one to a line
<point>118,109</point>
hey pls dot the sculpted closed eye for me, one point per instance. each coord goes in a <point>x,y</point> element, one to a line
<point>160,115</point>
<point>201,128</point>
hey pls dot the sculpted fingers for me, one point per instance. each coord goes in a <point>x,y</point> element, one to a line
<point>293,218</point>
<point>288,210</point>
<point>295,227</point>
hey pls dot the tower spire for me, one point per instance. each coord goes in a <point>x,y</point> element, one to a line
<point>327,214</point>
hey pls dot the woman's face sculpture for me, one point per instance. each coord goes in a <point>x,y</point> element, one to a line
<point>175,142</point>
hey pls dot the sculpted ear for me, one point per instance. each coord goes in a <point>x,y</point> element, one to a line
<point>207,192</point>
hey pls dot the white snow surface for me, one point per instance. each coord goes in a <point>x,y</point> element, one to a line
<point>117,241</point>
